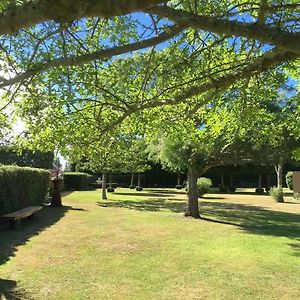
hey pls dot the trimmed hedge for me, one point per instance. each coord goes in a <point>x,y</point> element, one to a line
<point>21,187</point>
<point>77,181</point>
<point>289,180</point>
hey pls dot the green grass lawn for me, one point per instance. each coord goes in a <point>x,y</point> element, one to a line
<point>139,246</point>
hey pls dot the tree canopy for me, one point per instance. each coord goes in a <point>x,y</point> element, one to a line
<point>79,52</point>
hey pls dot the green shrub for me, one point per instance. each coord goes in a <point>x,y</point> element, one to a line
<point>289,180</point>
<point>276,193</point>
<point>232,189</point>
<point>110,189</point>
<point>132,187</point>
<point>21,187</point>
<point>259,191</point>
<point>178,187</point>
<point>77,181</point>
<point>139,188</point>
<point>223,189</point>
<point>203,185</point>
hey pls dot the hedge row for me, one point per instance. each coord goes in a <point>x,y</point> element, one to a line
<point>21,187</point>
<point>77,181</point>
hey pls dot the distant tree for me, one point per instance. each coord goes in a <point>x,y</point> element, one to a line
<point>25,157</point>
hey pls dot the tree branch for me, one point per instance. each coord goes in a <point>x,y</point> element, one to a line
<point>97,55</point>
<point>17,17</point>
<point>265,34</point>
<point>269,60</point>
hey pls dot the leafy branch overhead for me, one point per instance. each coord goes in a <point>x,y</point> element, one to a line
<point>103,63</point>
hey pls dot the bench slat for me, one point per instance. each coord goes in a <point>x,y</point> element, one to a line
<point>23,213</point>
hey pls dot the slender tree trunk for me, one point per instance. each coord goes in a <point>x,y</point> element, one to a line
<point>268,181</point>
<point>139,179</point>
<point>279,169</point>
<point>132,179</point>
<point>110,180</point>
<point>259,181</point>
<point>104,197</point>
<point>222,180</point>
<point>192,205</point>
<point>178,178</point>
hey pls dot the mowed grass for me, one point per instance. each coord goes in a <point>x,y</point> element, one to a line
<point>139,246</point>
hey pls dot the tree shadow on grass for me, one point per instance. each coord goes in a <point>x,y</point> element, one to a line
<point>66,193</point>
<point>12,238</point>
<point>9,290</point>
<point>168,191</point>
<point>153,205</point>
<point>254,219</point>
<point>296,248</point>
<point>248,218</point>
<point>143,194</point>
<point>211,198</point>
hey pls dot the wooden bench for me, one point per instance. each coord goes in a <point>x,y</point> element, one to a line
<point>17,216</point>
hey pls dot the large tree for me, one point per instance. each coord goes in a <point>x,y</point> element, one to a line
<point>62,45</point>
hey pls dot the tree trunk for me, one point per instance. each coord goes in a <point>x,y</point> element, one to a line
<point>259,181</point>
<point>104,197</point>
<point>222,180</point>
<point>268,180</point>
<point>279,169</point>
<point>132,179</point>
<point>56,196</point>
<point>110,180</point>
<point>139,180</point>
<point>178,179</point>
<point>192,205</point>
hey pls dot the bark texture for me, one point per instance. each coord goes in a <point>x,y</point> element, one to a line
<point>56,196</point>
<point>104,197</point>
<point>178,179</point>
<point>192,204</point>
<point>132,179</point>
<point>279,170</point>
<point>255,31</point>
<point>259,181</point>
<point>34,12</point>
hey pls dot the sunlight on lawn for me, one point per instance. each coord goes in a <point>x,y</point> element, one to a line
<point>139,246</point>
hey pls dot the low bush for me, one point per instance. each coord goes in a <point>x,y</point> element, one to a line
<point>203,186</point>
<point>232,189</point>
<point>289,180</point>
<point>139,188</point>
<point>77,181</point>
<point>178,187</point>
<point>259,191</point>
<point>132,187</point>
<point>110,189</point>
<point>21,187</point>
<point>223,189</point>
<point>276,193</point>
